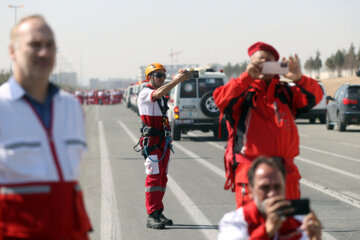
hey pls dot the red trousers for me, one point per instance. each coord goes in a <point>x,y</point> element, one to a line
<point>156,179</point>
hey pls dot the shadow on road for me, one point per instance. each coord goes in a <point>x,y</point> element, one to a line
<point>353,130</point>
<point>188,226</point>
<point>307,123</point>
<point>202,139</point>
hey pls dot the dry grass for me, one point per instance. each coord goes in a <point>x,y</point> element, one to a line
<point>332,84</point>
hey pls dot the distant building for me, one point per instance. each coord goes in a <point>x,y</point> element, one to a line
<point>111,83</point>
<point>66,78</point>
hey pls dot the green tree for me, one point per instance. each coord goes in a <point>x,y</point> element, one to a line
<point>317,64</point>
<point>339,61</point>
<point>350,59</point>
<point>309,65</point>
<point>4,76</point>
<point>235,70</point>
<point>330,64</point>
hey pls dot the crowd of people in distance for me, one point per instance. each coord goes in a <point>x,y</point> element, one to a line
<point>101,97</point>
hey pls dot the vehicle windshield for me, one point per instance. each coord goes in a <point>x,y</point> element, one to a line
<point>354,93</point>
<point>188,88</point>
<point>209,84</point>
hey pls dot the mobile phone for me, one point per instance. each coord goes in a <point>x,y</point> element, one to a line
<point>194,74</point>
<point>275,68</point>
<point>301,207</point>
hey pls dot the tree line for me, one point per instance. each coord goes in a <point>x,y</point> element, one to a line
<point>4,76</point>
<point>338,62</point>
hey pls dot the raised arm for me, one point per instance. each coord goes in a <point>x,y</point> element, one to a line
<point>182,76</point>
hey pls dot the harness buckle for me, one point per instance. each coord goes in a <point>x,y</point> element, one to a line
<point>145,131</point>
<point>145,141</point>
<point>167,133</point>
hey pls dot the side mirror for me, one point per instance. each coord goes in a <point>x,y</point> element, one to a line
<point>358,73</point>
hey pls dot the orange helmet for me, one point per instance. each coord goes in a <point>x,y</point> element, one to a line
<point>152,67</point>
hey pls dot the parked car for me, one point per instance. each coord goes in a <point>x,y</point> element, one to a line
<point>319,111</point>
<point>344,108</point>
<point>192,106</point>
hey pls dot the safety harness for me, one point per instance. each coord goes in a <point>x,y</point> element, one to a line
<point>147,132</point>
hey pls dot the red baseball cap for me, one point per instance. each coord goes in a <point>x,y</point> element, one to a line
<point>265,47</point>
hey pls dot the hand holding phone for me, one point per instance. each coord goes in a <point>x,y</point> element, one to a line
<point>300,206</point>
<point>194,73</point>
<point>279,68</point>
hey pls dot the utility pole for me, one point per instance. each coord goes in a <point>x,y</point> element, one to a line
<point>15,7</point>
<point>172,54</point>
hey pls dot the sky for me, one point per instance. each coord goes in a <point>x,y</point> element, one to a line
<point>112,38</point>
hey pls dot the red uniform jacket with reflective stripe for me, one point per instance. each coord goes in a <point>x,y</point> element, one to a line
<point>150,112</point>
<point>39,168</point>
<point>270,128</point>
<point>247,223</point>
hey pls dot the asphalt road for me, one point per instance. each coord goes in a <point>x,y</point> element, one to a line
<point>113,177</point>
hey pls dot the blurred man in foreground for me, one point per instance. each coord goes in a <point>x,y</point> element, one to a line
<point>264,217</point>
<point>42,139</point>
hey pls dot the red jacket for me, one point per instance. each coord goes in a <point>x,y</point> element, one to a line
<point>268,128</point>
<point>247,223</point>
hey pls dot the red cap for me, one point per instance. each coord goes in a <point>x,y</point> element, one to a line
<point>265,47</point>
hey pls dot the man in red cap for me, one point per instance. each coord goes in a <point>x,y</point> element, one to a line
<point>261,111</point>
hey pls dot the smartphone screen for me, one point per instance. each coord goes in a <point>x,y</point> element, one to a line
<point>301,207</point>
<point>275,68</point>
<point>194,74</point>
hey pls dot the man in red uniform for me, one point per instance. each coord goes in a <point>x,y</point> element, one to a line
<point>264,217</point>
<point>156,141</point>
<point>261,111</point>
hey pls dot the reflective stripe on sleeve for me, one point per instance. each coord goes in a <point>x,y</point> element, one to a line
<point>154,189</point>
<point>23,144</point>
<point>25,189</point>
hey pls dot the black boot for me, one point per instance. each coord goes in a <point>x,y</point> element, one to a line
<point>166,221</point>
<point>153,221</point>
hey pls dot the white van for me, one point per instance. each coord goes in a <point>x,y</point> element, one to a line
<point>192,106</point>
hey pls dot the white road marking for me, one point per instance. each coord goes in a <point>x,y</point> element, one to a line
<point>326,236</point>
<point>303,135</point>
<point>212,167</point>
<point>353,195</point>
<point>196,214</point>
<point>301,146</point>
<point>109,219</point>
<point>221,147</point>
<point>346,199</point>
<point>308,183</point>
<point>329,168</point>
<point>350,144</point>
<point>127,130</point>
<point>331,154</point>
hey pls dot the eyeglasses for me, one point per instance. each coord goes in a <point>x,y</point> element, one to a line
<point>159,75</point>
